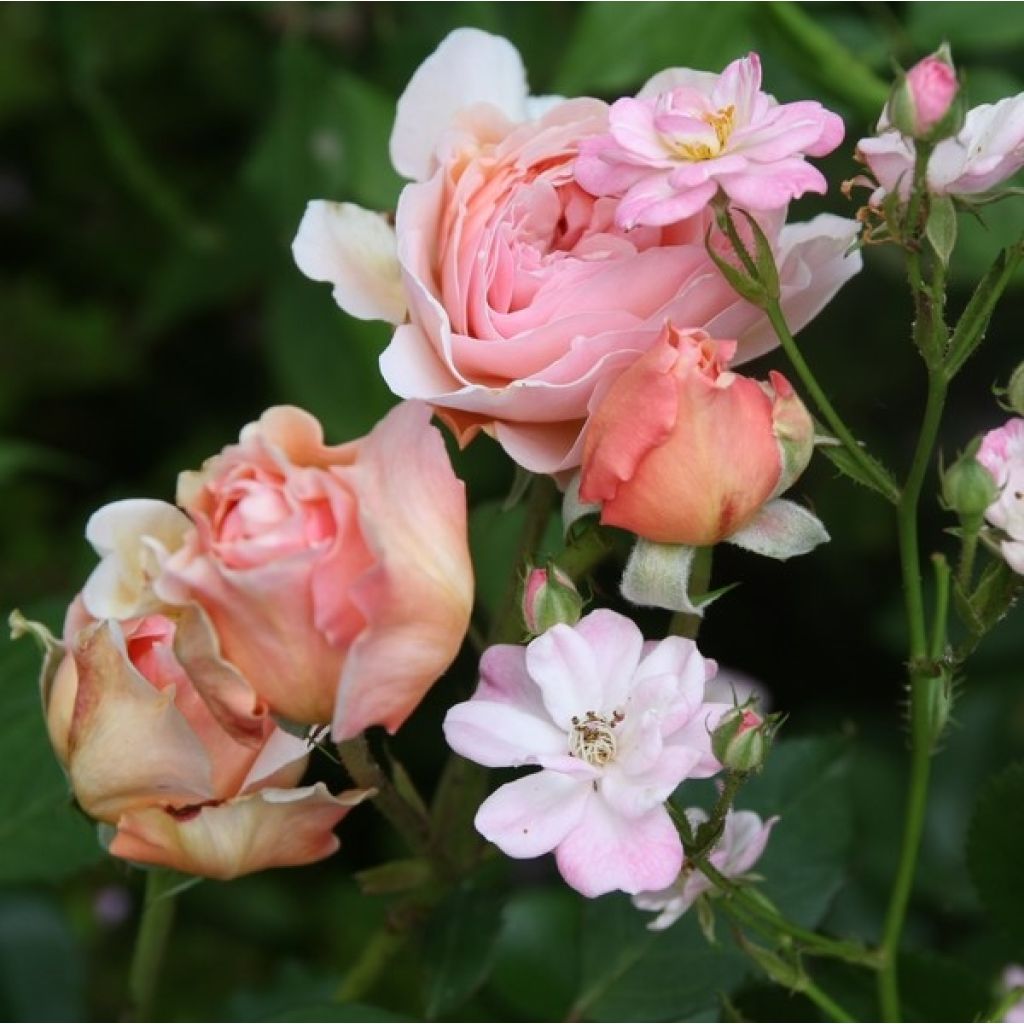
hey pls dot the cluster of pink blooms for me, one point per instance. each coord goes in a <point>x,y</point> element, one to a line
<point>549,279</point>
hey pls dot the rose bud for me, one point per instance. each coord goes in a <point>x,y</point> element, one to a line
<point>742,739</point>
<point>968,488</point>
<point>1015,391</point>
<point>684,451</point>
<point>550,597</point>
<point>337,578</point>
<point>144,754</point>
<point>924,96</point>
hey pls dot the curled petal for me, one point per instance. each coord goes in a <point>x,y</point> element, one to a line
<point>268,829</point>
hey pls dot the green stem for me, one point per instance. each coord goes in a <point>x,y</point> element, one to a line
<point>968,553</point>
<point>921,681</point>
<point>371,963</point>
<point>810,941</point>
<point>825,1003</point>
<point>151,941</point>
<point>940,616</point>
<point>870,468</point>
<point>360,763</point>
<point>585,553</point>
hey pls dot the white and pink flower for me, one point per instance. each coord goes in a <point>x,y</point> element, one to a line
<point>690,135</point>
<point>987,151</point>
<point>740,847</point>
<point>1002,454</point>
<point>615,725</point>
<point>516,297</point>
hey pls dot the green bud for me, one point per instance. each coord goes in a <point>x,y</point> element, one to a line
<point>742,739</point>
<point>1015,391</point>
<point>968,488</point>
<point>550,598</point>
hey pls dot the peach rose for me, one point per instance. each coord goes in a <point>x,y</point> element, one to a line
<point>516,298</point>
<point>144,754</point>
<point>337,579</point>
<point>684,451</point>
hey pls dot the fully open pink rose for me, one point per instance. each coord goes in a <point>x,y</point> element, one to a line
<point>338,579</point>
<point>1002,454</point>
<point>144,753</point>
<point>522,297</point>
<point>684,451</point>
<point>690,135</point>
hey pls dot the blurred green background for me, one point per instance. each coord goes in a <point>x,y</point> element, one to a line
<point>154,164</point>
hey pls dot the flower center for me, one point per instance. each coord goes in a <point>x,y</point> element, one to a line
<point>592,739</point>
<point>721,122</point>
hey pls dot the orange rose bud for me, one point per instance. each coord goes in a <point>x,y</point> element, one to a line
<point>684,451</point>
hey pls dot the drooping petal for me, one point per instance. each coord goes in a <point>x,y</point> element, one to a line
<point>272,828</point>
<point>606,851</point>
<point>418,597</point>
<point>533,815</point>
<point>355,250</point>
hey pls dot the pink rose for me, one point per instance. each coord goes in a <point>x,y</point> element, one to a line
<point>144,753</point>
<point>337,578</point>
<point>690,134</point>
<point>516,298</point>
<point>684,451</point>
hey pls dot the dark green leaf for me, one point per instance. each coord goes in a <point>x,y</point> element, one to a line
<point>993,849</point>
<point>940,988</point>
<point>338,1012</point>
<point>805,782</point>
<point>536,969</point>
<point>633,974</point>
<point>42,835</point>
<point>459,946</point>
<point>848,466</point>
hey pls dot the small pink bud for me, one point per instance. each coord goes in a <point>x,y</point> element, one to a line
<point>742,739</point>
<point>550,598</point>
<point>924,96</point>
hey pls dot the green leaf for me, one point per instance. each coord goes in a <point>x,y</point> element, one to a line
<point>42,836</point>
<point>996,592</point>
<point>325,361</point>
<point>806,783</point>
<point>459,946</point>
<point>934,987</point>
<point>338,1012</point>
<point>848,466</point>
<point>993,849</point>
<point>618,46</point>
<point>941,227</point>
<point>537,960</point>
<point>42,976</point>
<point>633,974</point>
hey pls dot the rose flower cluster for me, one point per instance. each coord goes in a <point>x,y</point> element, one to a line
<point>296,583</point>
<point>554,275</point>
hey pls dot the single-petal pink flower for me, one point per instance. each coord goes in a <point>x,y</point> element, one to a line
<point>987,151</point>
<point>667,153</point>
<point>743,840</point>
<point>614,724</point>
<point>1002,454</point>
<point>515,296</point>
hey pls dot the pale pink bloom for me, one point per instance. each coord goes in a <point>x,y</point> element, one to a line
<point>931,86</point>
<point>743,840</point>
<point>615,726</point>
<point>338,579</point>
<point>522,298</point>
<point>1002,454</point>
<point>684,451</point>
<point>690,134</point>
<point>144,754</point>
<point>984,153</point>
<point>1013,977</point>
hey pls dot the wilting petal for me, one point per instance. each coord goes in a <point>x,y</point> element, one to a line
<point>129,746</point>
<point>268,829</point>
<point>355,250</point>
